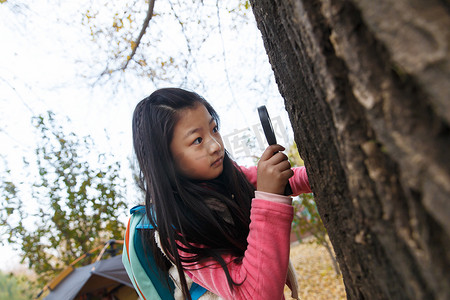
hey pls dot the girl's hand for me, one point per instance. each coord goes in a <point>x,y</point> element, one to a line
<point>274,171</point>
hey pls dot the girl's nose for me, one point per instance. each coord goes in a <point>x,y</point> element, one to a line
<point>214,145</point>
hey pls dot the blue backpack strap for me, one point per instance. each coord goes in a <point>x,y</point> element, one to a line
<point>141,268</point>
<point>147,263</point>
<point>158,277</point>
<point>196,291</point>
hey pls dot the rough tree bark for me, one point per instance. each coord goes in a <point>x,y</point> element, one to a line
<point>366,86</point>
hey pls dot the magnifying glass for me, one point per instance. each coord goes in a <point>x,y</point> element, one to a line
<point>270,136</point>
<point>267,125</point>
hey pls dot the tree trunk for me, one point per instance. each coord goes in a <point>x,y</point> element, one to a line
<point>366,86</point>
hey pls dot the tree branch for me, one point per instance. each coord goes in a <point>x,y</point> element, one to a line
<point>151,5</point>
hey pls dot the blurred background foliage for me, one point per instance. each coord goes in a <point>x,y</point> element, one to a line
<point>307,224</point>
<point>76,203</point>
<point>17,286</point>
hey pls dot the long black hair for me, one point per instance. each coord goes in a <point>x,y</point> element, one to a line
<point>213,214</point>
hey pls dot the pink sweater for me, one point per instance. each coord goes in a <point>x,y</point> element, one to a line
<point>263,269</point>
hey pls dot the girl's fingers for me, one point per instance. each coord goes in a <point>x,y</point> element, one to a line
<point>269,152</point>
<point>278,158</point>
<point>274,170</point>
<point>287,173</point>
<point>284,165</point>
<point>284,169</point>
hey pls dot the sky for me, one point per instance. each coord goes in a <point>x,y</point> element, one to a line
<point>48,60</point>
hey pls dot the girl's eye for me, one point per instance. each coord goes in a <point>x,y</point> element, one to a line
<point>215,129</point>
<point>197,141</point>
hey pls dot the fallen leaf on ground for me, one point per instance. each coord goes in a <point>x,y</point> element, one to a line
<point>316,277</point>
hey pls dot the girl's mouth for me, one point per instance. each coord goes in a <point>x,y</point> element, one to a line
<point>217,162</point>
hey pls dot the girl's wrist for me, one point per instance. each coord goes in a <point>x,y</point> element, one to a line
<point>273,197</point>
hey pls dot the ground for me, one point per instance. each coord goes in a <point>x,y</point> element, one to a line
<point>316,277</point>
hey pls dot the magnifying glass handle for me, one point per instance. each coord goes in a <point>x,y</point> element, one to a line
<point>288,190</point>
<point>270,136</point>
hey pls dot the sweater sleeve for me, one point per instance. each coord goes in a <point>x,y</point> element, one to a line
<point>263,269</point>
<point>299,182</point>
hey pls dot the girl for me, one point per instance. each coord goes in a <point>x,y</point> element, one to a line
<point>222,226</point>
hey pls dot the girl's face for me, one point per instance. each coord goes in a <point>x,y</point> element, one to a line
<point>197,147</point>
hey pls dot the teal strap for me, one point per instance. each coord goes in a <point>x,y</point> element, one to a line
<point>197,291</point>
<point>138,276</point>
<point>157,277</point>
<point>148,262</point>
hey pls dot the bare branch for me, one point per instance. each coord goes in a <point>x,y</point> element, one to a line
<point>151,5</point>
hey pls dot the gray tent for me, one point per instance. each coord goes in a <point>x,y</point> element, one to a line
<point>104,277</point>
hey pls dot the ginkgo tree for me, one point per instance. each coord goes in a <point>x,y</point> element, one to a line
<point>67,204</point>
<point>212,47</point>
<point>162,40</point>
<point>367,95</point>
